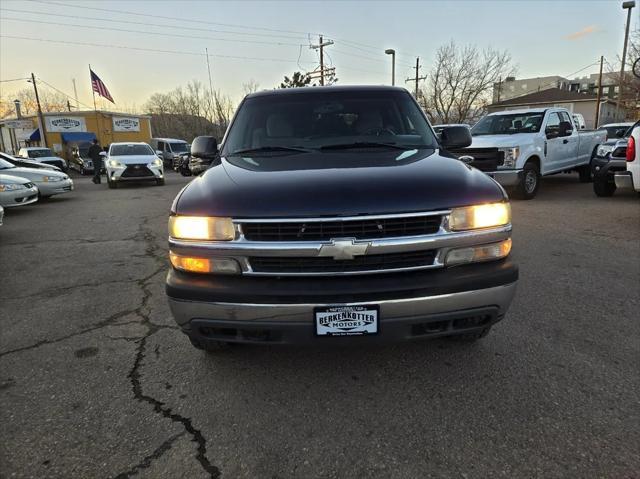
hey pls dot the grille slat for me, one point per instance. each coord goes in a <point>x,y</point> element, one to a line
<point>137,171</point>
<point>327,230</point>
<point>379,262</point>
<point>485,159</point>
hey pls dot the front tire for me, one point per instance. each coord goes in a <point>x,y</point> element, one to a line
<point>160,182</point>
<point>111,184</point>
<point>603,188</point>
<point>586,173</point>
<point>530,182</point>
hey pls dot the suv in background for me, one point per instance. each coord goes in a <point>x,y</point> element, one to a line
<point>42,155</point>
<point>170,150</point>
<point>615,130</point>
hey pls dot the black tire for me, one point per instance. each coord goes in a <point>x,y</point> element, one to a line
<point>112,184</point>
<point>530,182</point>
<point>160,182</point>
<point>602,187</point>
<point>585,172</point>
<point>210,347</point>
<point>470,337</point>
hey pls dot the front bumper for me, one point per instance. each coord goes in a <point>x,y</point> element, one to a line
<point>421,304</point>
<point>506,177</point>
<point>128,173</point>
<point>624,180</point>
<point>10,199</point>
<point>607,167</point>
<point>50,188</point>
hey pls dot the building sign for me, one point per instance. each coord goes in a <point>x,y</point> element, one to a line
<point>126,124</point>
<point>19,124</point>
<point>65,123</point>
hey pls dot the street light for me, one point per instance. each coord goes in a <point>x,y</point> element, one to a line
<point>392,52</point>
<point>625,6</point>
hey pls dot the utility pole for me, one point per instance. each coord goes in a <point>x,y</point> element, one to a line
<point>68,105</point>
<point>320,46</point>
<point>595,126</point>
<point>392,52</point>
<point>499,88</point>
<point>417,77</point>
<point>628,6</point>
<point>43,133</point>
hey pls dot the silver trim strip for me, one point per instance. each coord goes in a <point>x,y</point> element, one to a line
<point>501,296</point>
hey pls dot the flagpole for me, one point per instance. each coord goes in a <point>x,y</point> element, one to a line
<point>95,109</point>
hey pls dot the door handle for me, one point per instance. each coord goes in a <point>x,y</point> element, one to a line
<point>565,141</point>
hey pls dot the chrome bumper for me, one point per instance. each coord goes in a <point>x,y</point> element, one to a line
<point>624,180</point>
<point>506,177</point>
<point>186,311</point>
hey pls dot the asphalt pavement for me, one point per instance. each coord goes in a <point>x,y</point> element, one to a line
<point>96,381</point>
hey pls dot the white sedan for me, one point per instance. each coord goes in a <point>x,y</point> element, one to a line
<point>16,191</point>
<point>133,162</point>
<point>49,183</point>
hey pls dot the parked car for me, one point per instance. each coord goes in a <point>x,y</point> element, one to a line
<point>615,130</point>
<point>23,162</point>
<point>517,147</point>
<point>630,178</point>
<point>578,120</point>
<point>171,150</point>
<point>17,191</point>
<point>80,160</point>
<point>332,217</point>
<point>42,155</point>
<point>1,215</point>
<point>610,159</point>
<point>49,183</point>
<point>133,162</point>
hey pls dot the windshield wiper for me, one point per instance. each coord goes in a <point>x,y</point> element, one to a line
<point>261,149</point>
<point>367,144</point>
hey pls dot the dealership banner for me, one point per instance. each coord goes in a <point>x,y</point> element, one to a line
<point>18,124</point>
<point>121,123</point>
<point>65,123</point>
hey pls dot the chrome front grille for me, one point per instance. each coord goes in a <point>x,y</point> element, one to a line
<point>365,228</point>
<point>361,264</point>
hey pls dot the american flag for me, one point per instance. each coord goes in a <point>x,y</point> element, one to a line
<point>99,87</point>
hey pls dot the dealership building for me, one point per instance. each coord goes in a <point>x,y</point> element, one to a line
<point>67,130</point>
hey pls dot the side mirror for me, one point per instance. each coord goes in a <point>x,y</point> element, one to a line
<point>453,137</point>
<point>204,147</point>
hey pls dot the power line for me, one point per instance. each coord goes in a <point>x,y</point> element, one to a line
<point>151,50</point>
<point>69,97</point>
<point>188,20</point>
<point>379,60</point>
<point>14,79</point>
<point>180,27</point>
<point>150,33</point>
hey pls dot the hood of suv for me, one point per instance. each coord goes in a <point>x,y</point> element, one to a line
<point>345,186</point>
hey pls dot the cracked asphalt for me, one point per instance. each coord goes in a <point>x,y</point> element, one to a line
<point>96,381</point>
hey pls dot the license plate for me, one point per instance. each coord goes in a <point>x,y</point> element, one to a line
<point>346,320</point>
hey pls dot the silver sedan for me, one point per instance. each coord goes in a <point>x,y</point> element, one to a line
<point>16,191</point>
<point>49,183</point>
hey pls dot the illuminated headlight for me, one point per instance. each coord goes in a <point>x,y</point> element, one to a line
<point>510,156</point>
<point>604,150</point>
<point>475,254</point>
<point>115,164</point>
<point>157,163</point>
<point>52,178</point>
<point>204,265</point>
<point>201,228</point>
<point>12,187</point>
<point>480,216</point>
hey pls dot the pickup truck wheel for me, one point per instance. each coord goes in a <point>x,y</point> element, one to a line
<point>160,182</point>
<point>111,184</point>
<point>603,188</point>
<point>471,337</point>
<point>529,183</point>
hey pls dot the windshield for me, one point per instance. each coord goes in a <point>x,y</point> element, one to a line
<point>5,165</point>
<point>317,119</point>
<point>508,124</point>
<point>129,150</point>
<point>620,131</point>
<point>40,153</point>
<point>179,147</point>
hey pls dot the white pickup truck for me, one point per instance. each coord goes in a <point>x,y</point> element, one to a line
<point>517,147</point>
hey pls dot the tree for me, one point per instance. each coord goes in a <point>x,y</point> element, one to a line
<point>630,83</point>
<point>297,80</point>
<point>461,80</point>
<point>251,86</point>
<point>50,101</point>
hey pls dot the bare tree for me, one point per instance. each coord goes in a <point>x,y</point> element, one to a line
<point>251,86</point>
<point>50,101</point>
<point>461,80</point>
<point>630,83</point>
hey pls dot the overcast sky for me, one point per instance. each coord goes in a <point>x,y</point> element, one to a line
<point>272,39</point>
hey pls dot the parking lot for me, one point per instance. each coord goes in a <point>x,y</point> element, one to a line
<point>96,380</point>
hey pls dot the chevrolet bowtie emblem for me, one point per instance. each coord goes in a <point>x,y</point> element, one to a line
<point>342,249</point>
